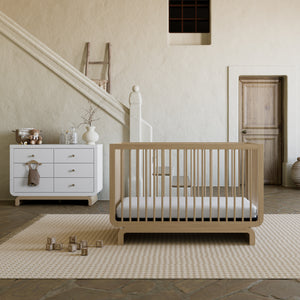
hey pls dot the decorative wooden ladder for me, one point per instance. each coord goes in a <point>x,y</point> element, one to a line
<point>103,83</point>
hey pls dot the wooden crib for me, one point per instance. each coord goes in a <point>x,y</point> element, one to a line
<point>186,187</point>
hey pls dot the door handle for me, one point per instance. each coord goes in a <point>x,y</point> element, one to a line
<point>244,131</point>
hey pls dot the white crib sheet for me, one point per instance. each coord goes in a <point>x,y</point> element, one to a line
<point>190,206</point>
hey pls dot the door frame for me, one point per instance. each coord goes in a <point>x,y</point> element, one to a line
<point>280,109</point>
<point>290,109</point>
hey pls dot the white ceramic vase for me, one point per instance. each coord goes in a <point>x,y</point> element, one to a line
<point>90,136</point>
<point>295,172</point>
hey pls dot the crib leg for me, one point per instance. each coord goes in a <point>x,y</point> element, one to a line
<point>121,234</point>
<point>251,237</point>
<point>17,201</point>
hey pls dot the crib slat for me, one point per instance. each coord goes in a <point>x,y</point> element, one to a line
<point>130,218</point>
<point>198,175</point>
<point>246,173</point>
<point>218,185</point>
<point>143,172</point>
<point>204,168</point>
<point>122,184</point>
<point>194,185</point>
<point>150,172</point>
<point>251,182</point>
<point>191,169</point>
<point>232,153</point>
<point>178,192</point>
<point>226,183</point>
<point>185,182</point>
<point>210,183</point>
<point>202,185</point>
<point>162,183</point>
<point>170,185</point>
<point>248,185</point>
<point>138,183</point>
<point>146,185</point>
<point>156,172</point>
<point>234,186</point>
<point>154,181</point>
<point>243,182</point>
<point>239,172</point>
<point>255,165</point>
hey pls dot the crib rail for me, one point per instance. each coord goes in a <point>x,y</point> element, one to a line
<point>186,183</point>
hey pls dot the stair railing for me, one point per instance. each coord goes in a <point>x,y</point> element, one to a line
<point>140,130</point>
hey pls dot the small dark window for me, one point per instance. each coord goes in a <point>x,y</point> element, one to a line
<point>189,16</point>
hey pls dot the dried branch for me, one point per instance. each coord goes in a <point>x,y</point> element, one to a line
<point>89,116</point>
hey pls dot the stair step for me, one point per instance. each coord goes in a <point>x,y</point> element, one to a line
<point>181,181</point>
<point>159,171</point>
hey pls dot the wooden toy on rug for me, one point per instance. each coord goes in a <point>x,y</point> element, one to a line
<point>79,246</point>
<point>51,240</point>
<point>84,252</point>
<point>49,247</point>
<point>53,245</point>
<point>72,247</point>
<point>99,244</point>
<point>73,239</point>
<point>84,244</point>
<point>58,246</point>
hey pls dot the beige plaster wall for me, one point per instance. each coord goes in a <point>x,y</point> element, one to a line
<point>184,87</point>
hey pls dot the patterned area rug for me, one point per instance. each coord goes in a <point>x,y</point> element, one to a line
<point>181,256</point>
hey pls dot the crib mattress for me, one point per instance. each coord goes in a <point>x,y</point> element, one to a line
<point>165,203</point>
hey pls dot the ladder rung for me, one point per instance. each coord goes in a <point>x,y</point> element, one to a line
<point>181,181</point>
<point>97,63</point>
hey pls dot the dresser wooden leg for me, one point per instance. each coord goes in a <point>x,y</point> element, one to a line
<point>17,201</point>
<point>92,200</point>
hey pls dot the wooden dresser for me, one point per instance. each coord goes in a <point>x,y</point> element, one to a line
<point>69,172</point>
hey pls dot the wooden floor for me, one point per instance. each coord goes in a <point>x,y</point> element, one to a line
<point>278,200</point>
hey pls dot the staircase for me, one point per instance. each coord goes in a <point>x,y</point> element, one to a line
<point>77,80</point>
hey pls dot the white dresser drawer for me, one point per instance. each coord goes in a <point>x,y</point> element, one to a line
<point>73,185</point>
<point>21,170</point>
<point>21,186</point>
<point>73,155</point>
<point>40,155</point>
<point>74,170</point>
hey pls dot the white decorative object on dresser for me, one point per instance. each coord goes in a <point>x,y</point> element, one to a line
<point>67,172</point>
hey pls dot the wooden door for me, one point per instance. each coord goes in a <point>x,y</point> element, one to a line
<point>260,120</point>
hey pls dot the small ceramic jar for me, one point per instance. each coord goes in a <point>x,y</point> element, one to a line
<point>295,172</point>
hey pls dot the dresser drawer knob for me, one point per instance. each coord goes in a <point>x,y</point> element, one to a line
<point>72,185</point>
<point>32,155</point>
<point>73,170</point>
<point>73,155</point>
